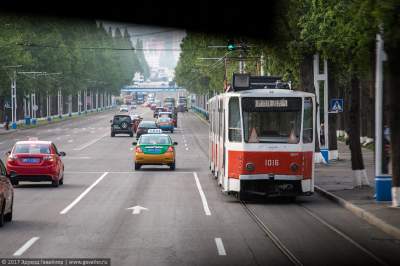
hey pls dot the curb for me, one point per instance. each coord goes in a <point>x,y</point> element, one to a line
<point>67,118</point>
<point>200,117</point>
<point>361,213</point>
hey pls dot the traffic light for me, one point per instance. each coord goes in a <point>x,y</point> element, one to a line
<point>231,45</point>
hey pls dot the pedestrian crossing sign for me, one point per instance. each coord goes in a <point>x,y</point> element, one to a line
<point>336,105</point>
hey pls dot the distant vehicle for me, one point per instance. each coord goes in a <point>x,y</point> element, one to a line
<point>133,106</point>
<point>157,110</point>
<point>153,106</point>
<point>35,161</point>
<point>182,104</point>
<point>166,124</point>
<point>6,196</point>
<point>170,115</point>
<point>124,108</point>
<point>144,126</point>
<point>121,124</point>
<point>169,100</point>
<point>155,149</point>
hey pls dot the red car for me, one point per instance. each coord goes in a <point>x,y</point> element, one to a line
<point>35,161</point>
<point>6,196</point>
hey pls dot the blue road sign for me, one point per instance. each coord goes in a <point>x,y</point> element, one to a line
<point>336,105</point>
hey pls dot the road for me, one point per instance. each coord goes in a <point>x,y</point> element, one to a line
<point>187,220</point>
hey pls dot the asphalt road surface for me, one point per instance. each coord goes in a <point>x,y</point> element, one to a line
<point>156,216</point>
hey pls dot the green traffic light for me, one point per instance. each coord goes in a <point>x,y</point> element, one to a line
<point>231,47</point>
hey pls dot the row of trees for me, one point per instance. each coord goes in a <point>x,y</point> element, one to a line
<point>85,55</point>
<point>344,33</point>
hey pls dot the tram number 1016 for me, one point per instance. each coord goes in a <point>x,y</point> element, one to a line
<point>272,163</point>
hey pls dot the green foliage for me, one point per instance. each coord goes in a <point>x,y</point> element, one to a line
<point>82,51</point>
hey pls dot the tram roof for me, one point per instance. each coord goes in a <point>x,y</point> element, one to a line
<point>270,93</point>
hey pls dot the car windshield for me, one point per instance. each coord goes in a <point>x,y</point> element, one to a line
<point>148,124</point>
<point>155,139</point>
<point>164,119</point>
<point>118,119</point>
<point>32,148</point>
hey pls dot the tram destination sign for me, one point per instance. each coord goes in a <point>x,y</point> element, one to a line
<point>271,104</point>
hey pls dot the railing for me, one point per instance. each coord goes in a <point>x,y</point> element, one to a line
<point>201,111</point>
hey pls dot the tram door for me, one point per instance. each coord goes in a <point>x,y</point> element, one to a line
<point>221,139</point>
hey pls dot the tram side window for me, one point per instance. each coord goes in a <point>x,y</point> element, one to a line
<point>308,121</point>
<point>235,128</point>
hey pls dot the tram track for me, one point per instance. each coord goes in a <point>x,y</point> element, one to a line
<point>285,250</point>
<point>275,240</point>
<point>290,255</point>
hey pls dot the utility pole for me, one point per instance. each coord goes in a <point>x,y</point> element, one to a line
<point>262,65</point>
<point>13,78</point>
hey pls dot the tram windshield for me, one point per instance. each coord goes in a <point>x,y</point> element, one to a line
<point>271,120</point>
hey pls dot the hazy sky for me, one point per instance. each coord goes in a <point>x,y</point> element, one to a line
<point>154,38</point>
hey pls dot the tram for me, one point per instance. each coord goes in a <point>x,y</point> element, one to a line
<point>262,138</point>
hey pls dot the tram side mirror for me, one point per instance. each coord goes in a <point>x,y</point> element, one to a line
<point>8,153</point>
<point>61,153</point>
<point>134,143</point>
<point>110,121</point>
<point>175,143</point>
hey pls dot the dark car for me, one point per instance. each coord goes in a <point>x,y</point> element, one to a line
<point>6,196</point>
<point>121,124</point>
<point>144,126</point>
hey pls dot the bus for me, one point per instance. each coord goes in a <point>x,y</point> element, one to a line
<point>262,140</point>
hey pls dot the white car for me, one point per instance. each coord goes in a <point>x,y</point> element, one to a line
<point>124,108</point>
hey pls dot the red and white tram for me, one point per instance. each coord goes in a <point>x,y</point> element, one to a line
<point>262,140</point>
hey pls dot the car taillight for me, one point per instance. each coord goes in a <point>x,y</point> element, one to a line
<point>170,149</point>
<point>48,158</point>
<point>138,150</point>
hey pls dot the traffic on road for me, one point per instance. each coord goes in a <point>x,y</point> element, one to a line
<point>131,145</point>
<point>145,206</point>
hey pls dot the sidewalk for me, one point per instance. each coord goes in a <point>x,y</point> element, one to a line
<point>335,181</point>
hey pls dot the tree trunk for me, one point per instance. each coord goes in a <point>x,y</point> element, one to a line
<point>332,118</point>
<point>357,163</point>
<point>394,85</point>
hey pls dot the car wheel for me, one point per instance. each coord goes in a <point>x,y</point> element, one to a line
<point>61,182</point>
<point>172,131</point>
<point>55,183</point>
<point>131,135</point>
<point>137,166</point>
<point>8,217</point>
<point>14,183</point>
<point>112,134</point>
<point>172,166</point>
<point>2,214</point>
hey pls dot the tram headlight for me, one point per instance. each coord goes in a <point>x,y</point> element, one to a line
<point>294,167</point>
<point>250,167</point>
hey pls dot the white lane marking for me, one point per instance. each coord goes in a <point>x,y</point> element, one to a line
<point>187,149</point>
<point>202,195</point>
<point>70,206</point>
<point>70,141</point>
<point>126,172</point>
<point>220,246</point>
<point>89,143</point>
<point>77,158</point>
<point>27,245</point>
<point>137,209</point>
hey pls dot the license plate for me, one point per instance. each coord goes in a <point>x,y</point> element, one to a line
<point>30,160</point>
